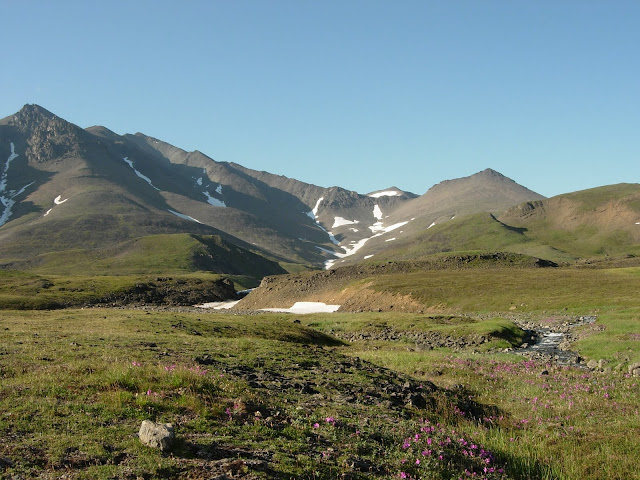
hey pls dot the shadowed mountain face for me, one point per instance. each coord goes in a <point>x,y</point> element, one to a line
<point>65,189</point>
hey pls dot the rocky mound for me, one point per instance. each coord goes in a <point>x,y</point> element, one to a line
<point>167,291</point>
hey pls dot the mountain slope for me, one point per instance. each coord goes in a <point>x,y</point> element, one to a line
<point>486,191</point>
<point>598,221</point>
<point>64,189</point>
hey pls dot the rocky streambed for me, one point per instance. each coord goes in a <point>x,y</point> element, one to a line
<point>551,340</point>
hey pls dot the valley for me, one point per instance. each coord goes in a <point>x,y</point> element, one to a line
<point>479,330</point>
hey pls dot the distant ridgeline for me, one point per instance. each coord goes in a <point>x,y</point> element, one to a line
<point>90,200</point>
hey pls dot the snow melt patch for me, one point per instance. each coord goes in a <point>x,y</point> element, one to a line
<point>8,200</point>
<point>182,215</point>
<point>390,239</point>
<point>57,201</point>
<point>431,225</point>
<point>339,222</point>
<point>213,201</point>
<point>380,229</point>
<point>144,177</point>
<point>386,193</point>
<point>314,212</point>
<point>218,305</point>
<point>366,257</point>
<point>305,307</point>
<point>377,212</point>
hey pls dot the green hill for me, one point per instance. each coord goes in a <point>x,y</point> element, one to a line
<point>597,222</point>
<point>155,254</point>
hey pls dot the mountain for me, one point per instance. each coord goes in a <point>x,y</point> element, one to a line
<point>70,195</point>
<point>487,191</point>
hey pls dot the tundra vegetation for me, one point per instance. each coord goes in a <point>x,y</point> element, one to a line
<point>343,395</point>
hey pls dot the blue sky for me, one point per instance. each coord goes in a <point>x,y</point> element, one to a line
<point>363,94</point>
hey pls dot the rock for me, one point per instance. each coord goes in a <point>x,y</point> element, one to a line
<point>156,435</point>
<point>634,366</point>
<point>592,364</point>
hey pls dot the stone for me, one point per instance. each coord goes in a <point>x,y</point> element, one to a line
<point>634,366</point>
<point>592,364</point>
<point>157,435</point>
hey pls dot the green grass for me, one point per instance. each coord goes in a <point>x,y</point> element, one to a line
<point>22,290</point>
<point>494,290</point>
<point>570,424</point>
<point>477,232</point>
<point>76,384</point>
<point>158,254</point>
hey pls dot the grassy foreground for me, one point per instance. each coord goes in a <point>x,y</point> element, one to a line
<point>279,396</point>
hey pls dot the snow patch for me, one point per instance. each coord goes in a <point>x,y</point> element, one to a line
<point>199,181</point>
<point>57,201</point>
<point>377,212</point>
<point>314,212</point>
<point>219,189</point>
<point>339,222</point>
<point>637,223</point>
<point>218,305</point>
<point>366,257</point>
<point>8,200</point>
<point>386,193</point>
<point>390,239</point>
<point>431,225</point>
<point>333,239</point>
<point>379,228</point>
<point>305,307</point>
<point>354,230</point>
<point>144,177</point>
<point>213,201</point>
<point>182,215</point>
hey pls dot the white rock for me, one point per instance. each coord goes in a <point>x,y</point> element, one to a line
<point>156,435</point>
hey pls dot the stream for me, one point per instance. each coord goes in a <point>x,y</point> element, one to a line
<point>547,340</point>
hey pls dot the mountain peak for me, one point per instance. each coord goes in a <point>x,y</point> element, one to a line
<point>34,112</point>
<point>31,115</point>
<point>35,108</point>
<point>490,172</point>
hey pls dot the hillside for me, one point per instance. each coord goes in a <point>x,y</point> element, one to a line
<point>409,224</point>
<point>603,221</point>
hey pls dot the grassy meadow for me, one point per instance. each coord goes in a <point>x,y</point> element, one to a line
<point>284,396</point>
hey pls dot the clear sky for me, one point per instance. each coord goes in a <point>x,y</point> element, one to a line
<point>364,94</point>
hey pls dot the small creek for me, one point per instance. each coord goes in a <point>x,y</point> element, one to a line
<point>548,340</point>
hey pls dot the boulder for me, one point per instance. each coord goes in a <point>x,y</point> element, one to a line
<point>634,368</point>
<point>156,435</point>
<point>592,364</point>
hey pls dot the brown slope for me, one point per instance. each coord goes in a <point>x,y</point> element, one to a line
<point>593,222</point>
